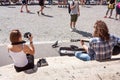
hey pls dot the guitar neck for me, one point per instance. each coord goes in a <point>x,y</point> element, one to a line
<point>76,40</point>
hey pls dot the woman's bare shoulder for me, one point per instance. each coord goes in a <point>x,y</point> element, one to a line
<point>9,46</point>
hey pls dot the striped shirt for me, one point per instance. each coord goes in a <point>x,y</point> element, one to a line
<point>102,49</point>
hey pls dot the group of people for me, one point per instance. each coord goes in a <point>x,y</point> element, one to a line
<point>111,7</point>
<point>25,3</point>
<point>100,45</point>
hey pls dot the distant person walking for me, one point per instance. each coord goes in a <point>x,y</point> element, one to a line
<point>117,11</point>
<point>82,2</point>
<point>75,12</point>
<point>24,3</point>
<point>41,3</point>
<point>60,3</point>
<point>50,2</point>
<point>111,6</point>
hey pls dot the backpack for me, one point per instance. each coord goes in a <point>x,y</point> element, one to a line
<point>69,10</point>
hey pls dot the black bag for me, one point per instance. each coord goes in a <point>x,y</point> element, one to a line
<point>69,51</point>
<point>42,62</point>
<point>69,10</point>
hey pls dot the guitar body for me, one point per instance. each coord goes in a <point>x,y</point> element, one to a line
<point>69,51</point>
<point>116,50</point>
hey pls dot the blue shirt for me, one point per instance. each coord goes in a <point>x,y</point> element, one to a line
<point>101,50</point>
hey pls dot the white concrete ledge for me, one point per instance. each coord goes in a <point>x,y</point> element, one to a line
<point>67,68</point>
<point>42,49</point>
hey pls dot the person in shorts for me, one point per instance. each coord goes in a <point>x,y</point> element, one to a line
<point>41,3</point>
<point>60,3</point>
<point>74,13</point>
<point>111,6</point>
<point>24,3</point>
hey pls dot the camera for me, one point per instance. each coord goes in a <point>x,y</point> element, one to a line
<point>27,35</point>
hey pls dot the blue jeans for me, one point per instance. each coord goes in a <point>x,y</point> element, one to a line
<point>82,56</point>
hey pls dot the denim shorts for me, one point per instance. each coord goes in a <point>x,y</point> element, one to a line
<point>82,56</point>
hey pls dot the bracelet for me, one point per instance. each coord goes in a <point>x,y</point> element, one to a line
<point>31,42</point>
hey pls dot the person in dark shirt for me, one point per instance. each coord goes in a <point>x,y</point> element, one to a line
<point>41,3</point>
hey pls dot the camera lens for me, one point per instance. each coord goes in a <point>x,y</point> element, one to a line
<point>27,35</point>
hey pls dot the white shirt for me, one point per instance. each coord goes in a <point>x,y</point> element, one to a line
<point>74,10</point>
<point>19,58</point>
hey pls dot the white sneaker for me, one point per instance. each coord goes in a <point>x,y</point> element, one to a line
<point>74,29</point>
<point>71,29</point>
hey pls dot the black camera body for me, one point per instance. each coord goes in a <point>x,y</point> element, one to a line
<point>27,35</point>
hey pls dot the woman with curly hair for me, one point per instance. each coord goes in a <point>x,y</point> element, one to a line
<point>100,46</point>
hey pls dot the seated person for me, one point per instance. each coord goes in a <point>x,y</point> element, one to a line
<point>22,54</point>
<point>100,46</point>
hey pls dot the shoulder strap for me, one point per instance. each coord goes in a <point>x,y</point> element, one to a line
<point>16,43</point>
<point>73,2</point>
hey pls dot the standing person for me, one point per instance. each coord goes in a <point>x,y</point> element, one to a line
<point>75,12</point>
<point>87,2</point>
<point>82,2</point>
<point>22,55</point>
<point>111,6</point>
<point>60,3</point>
<point>64,3</point>
<point>117,11</point>
<point>24,3</point>
<point>100,46</point>
<point>41,3</point>
<point>50,2</point>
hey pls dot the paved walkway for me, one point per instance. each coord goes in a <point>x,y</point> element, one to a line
<point>55,25</point>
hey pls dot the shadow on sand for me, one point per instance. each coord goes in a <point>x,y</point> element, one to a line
<point>113,59</point>
<point>11,7</point>
<point>31,13</point>
<point>48,15</point>
<point>85,34</point>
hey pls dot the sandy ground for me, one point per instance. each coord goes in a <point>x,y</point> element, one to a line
<point>55,26</point>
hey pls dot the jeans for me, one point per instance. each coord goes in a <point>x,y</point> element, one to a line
<point>82,56</point>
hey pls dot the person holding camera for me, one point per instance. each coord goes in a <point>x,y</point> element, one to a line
<point>21,54</point>
<point>100,46</point>
<point>42,5</point>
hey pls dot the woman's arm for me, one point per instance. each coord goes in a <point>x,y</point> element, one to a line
<point>29,49</point>
<point>84,46</point>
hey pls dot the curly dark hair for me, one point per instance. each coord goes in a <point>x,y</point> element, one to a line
<point>101,30</point>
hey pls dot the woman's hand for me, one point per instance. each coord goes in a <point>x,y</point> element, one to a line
<point>82,42</point>
<point>30,38</point>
